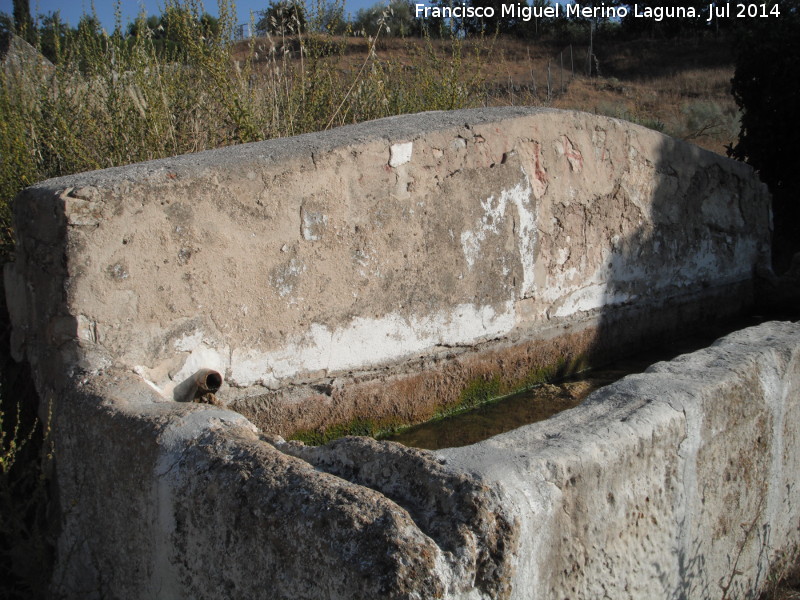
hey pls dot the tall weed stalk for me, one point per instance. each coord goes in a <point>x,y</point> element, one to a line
<point>26,544</point>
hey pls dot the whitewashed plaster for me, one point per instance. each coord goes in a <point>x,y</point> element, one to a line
<point>494,213</point>
<point>364,342</point>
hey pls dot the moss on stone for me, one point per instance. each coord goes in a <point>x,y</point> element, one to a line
<point>490,387</point>
<point>358,426</point>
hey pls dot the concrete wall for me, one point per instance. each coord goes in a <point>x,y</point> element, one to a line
<point>180,500</point>
<point>377,271</point>
<point>382,268</point>
<point>677,483</point>
<point>681,482</point>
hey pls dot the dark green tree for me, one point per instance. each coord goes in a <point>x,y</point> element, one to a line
<point>146,26</point>
<point>282,16</point>
<point>480,21</point>
<point>486,24</point>
<point>6,24</point>
<point>22,20</point>
<point>766,86</point>
<point>671,27</point>
<point>536,26</point>
<point>176,19</point>
<point>209,25</point>
<point>329,17</point>
<point>367,20</point>
<point>168,30</point>
<point>53,34</point>
<point>90,25</point>
<point>398,19</point>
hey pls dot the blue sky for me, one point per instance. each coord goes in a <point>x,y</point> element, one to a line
<point>71,10</point>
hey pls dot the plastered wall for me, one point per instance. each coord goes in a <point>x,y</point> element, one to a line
<point>680,482</point>
<point>383,268</point>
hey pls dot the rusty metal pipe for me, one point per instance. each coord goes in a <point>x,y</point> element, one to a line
<point>200,387</point>
<point>207,381</point>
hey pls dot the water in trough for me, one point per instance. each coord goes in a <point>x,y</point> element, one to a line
<point>545,400</point>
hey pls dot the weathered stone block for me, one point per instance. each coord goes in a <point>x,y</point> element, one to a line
<point>376,272</point>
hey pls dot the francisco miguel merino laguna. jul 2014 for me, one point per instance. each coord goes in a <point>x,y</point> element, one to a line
<point>656,13</point>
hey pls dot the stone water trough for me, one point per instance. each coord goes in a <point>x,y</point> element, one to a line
<point>184,317</point>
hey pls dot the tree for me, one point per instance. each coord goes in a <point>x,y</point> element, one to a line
<point>6,25</point>
<point>536,25</point>
<point>367,20</point>
<point>329,17</point>
<point>486,24</point>
<point>53,33</point>
<point>22,20</point>
<point>90,25</point>
<point>398,18</point>
<point>150,26</point>
<point>169,30</point>
<point>766,86</point>
<point>668,27</point>
<point>282,16</point>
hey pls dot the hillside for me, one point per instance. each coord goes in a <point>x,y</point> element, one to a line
<point>680,88</point>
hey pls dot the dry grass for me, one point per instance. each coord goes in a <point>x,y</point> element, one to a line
<point>783,582</point>
<point>684,93</point>
<point>784,593</point>
<point>695,106</point>
<point>689,99</point>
